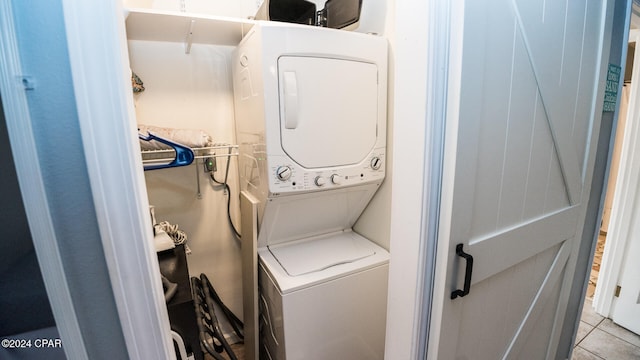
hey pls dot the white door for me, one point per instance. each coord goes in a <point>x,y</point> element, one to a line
<point>518,156</point>
<point>622,248</point>
<point>626,308</point>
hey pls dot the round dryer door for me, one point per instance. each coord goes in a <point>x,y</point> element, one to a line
<point>328,110</point>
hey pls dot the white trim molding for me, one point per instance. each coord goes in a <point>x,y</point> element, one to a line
<point>420,77</point>
<point>99,66</point>
<point>32,189</point>
<point>437,94</point>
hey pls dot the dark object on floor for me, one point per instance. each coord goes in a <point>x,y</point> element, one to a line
<point>173,266</point>
<point>211,338</point>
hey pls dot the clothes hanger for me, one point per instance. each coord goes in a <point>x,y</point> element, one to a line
<point>184,155</point>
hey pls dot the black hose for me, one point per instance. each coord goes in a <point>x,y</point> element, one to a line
<point>226,186</point>
<point>217,331</point>
<point>207,322</point>
<point>234,321</point>
<point>205,296</point>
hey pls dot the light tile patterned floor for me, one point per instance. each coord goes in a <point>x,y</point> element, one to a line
<point>599,338</point>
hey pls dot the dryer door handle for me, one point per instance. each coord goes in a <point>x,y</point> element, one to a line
<point>290,100</point>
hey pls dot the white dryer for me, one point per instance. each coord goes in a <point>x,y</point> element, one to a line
<point>311,124</point>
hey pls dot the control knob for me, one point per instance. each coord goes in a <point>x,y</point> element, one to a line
<point>283,173</point>
<point>320,181</point>
<point>376,163</point>
<point>336,179</point>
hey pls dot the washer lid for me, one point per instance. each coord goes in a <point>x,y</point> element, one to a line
<point>317,254</point>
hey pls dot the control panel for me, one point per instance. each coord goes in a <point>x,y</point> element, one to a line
<point>285,176</point>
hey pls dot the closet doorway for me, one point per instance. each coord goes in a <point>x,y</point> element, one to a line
<point>614,285</point>
<point>613,173</point>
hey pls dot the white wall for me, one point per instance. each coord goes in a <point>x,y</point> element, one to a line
<point>193,91</point>
<point>374,16</point>
<point>375,221</point>
<point>235,8</point>
<point>417,97</point>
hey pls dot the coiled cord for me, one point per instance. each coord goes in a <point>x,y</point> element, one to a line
<point>178,236</point>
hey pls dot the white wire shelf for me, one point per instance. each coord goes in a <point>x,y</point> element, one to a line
<point>164,156</point>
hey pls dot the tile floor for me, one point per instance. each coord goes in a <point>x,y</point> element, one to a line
<point>598,337</point>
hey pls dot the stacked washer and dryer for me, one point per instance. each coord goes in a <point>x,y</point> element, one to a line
<point>311,126</point>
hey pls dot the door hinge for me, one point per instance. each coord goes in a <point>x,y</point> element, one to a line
<point>617,293</point>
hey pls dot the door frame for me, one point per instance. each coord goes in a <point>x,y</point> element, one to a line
<point>32,187</point>
<point>112,152</point>
<point>625,197</point>
<point>117,181</point>
<point>418,72</point>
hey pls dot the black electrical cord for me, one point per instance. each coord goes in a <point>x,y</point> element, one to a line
<point>226,186</point>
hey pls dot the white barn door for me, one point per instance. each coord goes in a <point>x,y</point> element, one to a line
<point>521,126</point>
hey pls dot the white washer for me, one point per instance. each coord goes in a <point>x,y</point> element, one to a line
<point>324,298</point>
<point>311,124</point>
